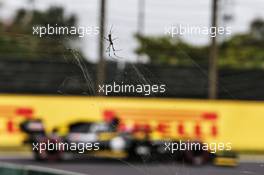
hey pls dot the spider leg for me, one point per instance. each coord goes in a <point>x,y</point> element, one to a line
<point>106,39</point>
<point>115,54</point>
<point>108,48</point>
<point>113,47</point>
<point>111,29</point>
<point>117,57</point>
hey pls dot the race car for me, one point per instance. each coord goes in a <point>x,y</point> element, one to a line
<point>102,138</point>
<point>106,139</point>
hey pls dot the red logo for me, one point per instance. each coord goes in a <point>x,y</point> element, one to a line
<point>12,116</point>
<point>203,123</point>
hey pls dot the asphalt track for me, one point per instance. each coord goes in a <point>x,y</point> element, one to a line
<point>118,167</point>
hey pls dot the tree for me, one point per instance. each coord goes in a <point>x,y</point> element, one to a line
<point>240,51</point>
<point>17,40</point>
<point>244,50</point>
<point>166,50</point>
<point>257,29</point>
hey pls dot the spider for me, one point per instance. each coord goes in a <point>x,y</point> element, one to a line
<point>111,47</point>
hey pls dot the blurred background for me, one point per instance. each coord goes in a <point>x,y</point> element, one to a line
<point>141,40</point>
<point>57,76</point>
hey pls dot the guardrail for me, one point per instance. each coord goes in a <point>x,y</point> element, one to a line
<point>13,169</point>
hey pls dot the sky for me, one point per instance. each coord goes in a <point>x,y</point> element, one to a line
<point>123,14</point>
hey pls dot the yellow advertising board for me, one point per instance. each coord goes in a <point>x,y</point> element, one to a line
<point>237,122</point>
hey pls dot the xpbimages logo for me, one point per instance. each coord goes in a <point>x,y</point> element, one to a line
<point>175,31</point>
<point>64,30</point>
<point>188,145</point>
<point>51,145</point>
<point>144,89</point>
